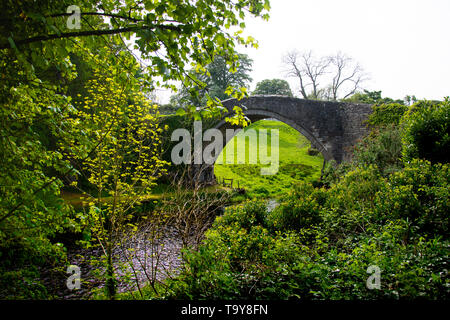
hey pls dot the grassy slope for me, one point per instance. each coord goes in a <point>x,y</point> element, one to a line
<point>295,163</point>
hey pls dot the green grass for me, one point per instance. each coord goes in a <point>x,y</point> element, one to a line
<point>294,162</point>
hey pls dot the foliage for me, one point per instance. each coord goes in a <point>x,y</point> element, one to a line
<point>419,194</point>
<point>299,209</point>
<point>319,243</point>
<point>238,260</point>
<point>215,82</point>
<point>44,66</point>
<point>274,86</point>
<point>373,97</point>
<point>382,148</point>
<point>295,164</point>
<point>386,114</point>
<point>220,77</point>
<point>33,112</point>
<point>426,132</point>
<point>374,211</point>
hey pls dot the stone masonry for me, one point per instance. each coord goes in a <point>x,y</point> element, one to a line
<point>333,128</point>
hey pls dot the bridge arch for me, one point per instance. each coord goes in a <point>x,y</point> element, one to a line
<point>332,127</point>
<point>256,115</point>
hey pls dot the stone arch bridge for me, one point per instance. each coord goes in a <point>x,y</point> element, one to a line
<point>333,128</point>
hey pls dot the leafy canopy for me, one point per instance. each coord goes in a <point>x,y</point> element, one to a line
<point>38,87</point>
<point>274,86</point>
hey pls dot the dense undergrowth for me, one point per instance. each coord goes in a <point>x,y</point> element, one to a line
<point>386,210</point>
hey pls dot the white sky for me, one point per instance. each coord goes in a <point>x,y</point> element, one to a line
<point>404,45</point>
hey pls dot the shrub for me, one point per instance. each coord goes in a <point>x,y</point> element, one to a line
<point>299,210</point>
<point>348,209</point>
<point>319,242</point>
<point>426,133</point>
<point>382,148</point>
<point>408,271</point>
<point>387,114</point>
<point>419,194</point>
<point>245,216</point>
<point>238,263</point>
<point>313,151</point>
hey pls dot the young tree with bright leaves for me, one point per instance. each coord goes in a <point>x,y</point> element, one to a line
<point>274,86</point>
<point>122,127</point>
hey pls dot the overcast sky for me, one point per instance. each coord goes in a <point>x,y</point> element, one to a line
<point>404,45</point>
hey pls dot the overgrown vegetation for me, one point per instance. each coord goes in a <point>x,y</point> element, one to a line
<point>380,210</point>
<point>295,162</point>
<point>74,97</point>
<point>75,117</point>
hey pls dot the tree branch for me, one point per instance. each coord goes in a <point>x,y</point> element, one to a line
<point>110,15</point>
<point>88,33</point>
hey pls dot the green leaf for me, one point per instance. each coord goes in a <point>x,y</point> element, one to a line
<point>181,112</point>
<point>12,43</point>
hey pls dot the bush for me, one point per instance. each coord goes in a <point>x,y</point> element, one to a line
<point>426,132</point>
<point>420,195</point>
<point>382,148</point>
<point>348,209</point>
<point>319,243</point>
<point>252,263</point>
<point>299,210</point>
<point>238,263</point>
<point>313,151</point>
<point>23,283</point>
<point>245,216</point>
<point>387,114</point>
<point>408,271</point>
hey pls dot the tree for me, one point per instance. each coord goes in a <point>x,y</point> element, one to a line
<point>124,128</point>
<point>221,77</point>
<point>215,82</point>
<point>341,74</point>
<point>409,100</point>
<point>274,86</point>
<point>37,49</point>
<point>35,41</point>
<point>372,97</point>
<point>426,131</point>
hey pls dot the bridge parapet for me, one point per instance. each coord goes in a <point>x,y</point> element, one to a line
<point>332,127</point>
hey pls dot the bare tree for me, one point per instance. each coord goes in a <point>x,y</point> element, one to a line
<point>150,250</point>
<point>340,73</point>
<point>307,69</point>
<point>191,210</point>
<point>348,75</point>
